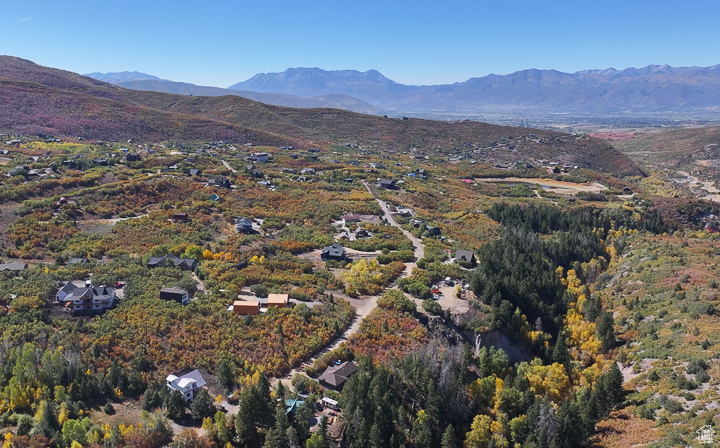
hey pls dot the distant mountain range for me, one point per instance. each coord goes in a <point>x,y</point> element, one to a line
<point>36,99</point>
<point>652,88</point>
<point>655,88</point>
<point>142,81</point>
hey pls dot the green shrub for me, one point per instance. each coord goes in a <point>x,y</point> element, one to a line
<point>432,307</point>
<point>394,299</point>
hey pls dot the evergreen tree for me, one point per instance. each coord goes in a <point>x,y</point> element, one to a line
<point>25,425</point>
<point>376,439</point>
<point>255,410</point>
<point>569,423</point>
<point>560,353</point>
<point>614,384</point>
<point>302,418</point>
<point>449,438</point>
<point>224,376</point>
<point>175,405</point>
<point>46,421</point>
<point>202,406</point>
<point>605,330</point>
<point>280,391</point>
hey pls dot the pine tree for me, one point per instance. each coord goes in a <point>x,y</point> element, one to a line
<point>449,438</point>
<point>224,376</point>
<point>614,384</point>
<point>202,406</point>
<point>280,391</point>
<point>605,330</point>
<point>376,440</point>
<point>46,421</point>
<point>175,405</point>
<point>302,420</point>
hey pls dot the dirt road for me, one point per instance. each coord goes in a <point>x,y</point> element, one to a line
<point>555,186</point>
<point>227,165</point>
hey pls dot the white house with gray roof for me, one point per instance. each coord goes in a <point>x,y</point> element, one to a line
<point>86,298</point>
<point>187,382</point>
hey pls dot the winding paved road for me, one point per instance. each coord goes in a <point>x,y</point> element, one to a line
<point>362,307</point>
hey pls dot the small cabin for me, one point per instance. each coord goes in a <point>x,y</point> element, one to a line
<point>278,300</point>
<point>245,307</point>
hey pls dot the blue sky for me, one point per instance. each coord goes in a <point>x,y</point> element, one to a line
<point>412,42</point>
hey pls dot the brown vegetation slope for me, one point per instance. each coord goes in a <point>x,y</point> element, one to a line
<point>37,99</point>
<point>679,144</point>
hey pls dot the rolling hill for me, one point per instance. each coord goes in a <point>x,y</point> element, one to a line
<point>36,99</point>
<point>141,81</point>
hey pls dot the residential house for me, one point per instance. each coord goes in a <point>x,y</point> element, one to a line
<point>101,161</point>
<point>18,171</point>
<point>214,197</point>
<point>180,217</point>
<point>261,157</point>
<point>187,382</point>
<point>220,182</point>
<point>15,267</point>
<point>333,252</point>
<point>552,170</point>
<point>334,377</point>
<point>86,298</point>
<point>291,406</point>
<point>133,157</point>
<point>170,260</point>
<point>387,184</point>
<point>378,166</point>
<point>244,225</point>
<point>422,173</point>
<point>278,300</point>
<point>467,256</point>
<point>78,260</point>
<point>245,307</point>
<point>352,217</point>
<point>403,212</point>
<point>308,171</point>
<point>193,172</point>
<point>175,294</point>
